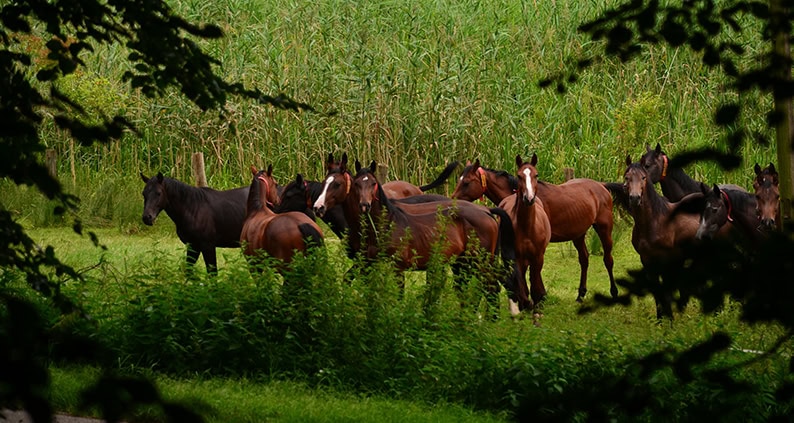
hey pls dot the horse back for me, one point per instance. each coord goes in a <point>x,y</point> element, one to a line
<point>400,189</point>
<point>228,214</point>
<point>574,206</point>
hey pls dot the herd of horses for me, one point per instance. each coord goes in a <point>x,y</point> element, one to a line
<point>400,220</point>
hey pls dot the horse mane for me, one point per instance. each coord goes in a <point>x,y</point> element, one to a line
<point>186,193</point>
<point>511,179</point>
<point>254,202</point>
<point>740,199</point>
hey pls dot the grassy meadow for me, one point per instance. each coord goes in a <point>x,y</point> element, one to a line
<point>412,85</point>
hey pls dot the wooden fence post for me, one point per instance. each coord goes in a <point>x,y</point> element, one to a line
<point>382,172</point>
<point>51,161</point>
<point>198,169</point>
<point>568,172</point>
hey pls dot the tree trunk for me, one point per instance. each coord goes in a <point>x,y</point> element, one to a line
<point>785,136</point>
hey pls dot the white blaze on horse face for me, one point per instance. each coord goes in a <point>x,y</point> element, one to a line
<point>321,199</point>
<point>528,182</point>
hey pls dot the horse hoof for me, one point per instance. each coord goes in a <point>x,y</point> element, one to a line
<point>579,299</point>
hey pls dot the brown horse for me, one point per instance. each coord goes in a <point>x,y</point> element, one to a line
<point>532,229</point>
<point>277,235</point>
<point>662,233</point>
<point>414,228</point>
<point>402,189</point>
<point>572,207</point>
<point>728,213</point>
<point>767,194</point>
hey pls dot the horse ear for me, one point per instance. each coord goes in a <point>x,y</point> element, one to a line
<point>145,179</point>
<point>358,166</point>
<point>647,148</point>
<point>658,148</point>
<point>299,179</point>
<point>373,166</point>
<point>344,159</point>
<point>716,189</point>
<point>757,169</point>
<point>772,168</point>
<point>534,160</point>
<point>468,162</point>
<point>477,163</point>
<point>329,161</point>
<point>269,170</point>
<point>628,160</point>
<point>159,177</point>
<point>253,170</point>
<point>519,160</point>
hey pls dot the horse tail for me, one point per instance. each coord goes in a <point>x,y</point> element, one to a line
<point>507,236</point>
<point>445,174</point>
<point>507,249</point>
<point>311,236</point>
<point>619,195</point>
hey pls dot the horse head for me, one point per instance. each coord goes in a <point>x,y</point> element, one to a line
<point>767,194</point>
<point>295,196</point>
<point>715,212</point>
<point>472,183</point>
<point>336,186</point>
<point>635,182</point>
<point>155,198</point>
<point>267,185</point>
<point>655,163</point>
<point>365,186</point>
<point>527,179</point>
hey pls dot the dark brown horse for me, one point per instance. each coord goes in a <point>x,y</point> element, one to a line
<point>767,194</point>
<point>662,234</point>
<point>279,235</point>
<point>728,212</point>
<point>205,219</point>
<point>532,229</point>
<point>414,228</point>
<point>675,183</point>
<point>572,207</point>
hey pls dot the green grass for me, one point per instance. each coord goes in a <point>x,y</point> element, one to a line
<point>401,361</point>
<point>242,400</point>
<point>414,87</point>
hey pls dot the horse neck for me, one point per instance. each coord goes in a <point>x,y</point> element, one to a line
<point>677,184</point>
<point>498,186</point>
<point>654,209</point>
<point>254,205</point>
<point>180,197</point>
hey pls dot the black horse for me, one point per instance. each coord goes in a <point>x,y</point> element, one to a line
<point>205,218</point>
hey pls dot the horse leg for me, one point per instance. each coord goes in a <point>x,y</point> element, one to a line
<point>190,261</point>
<point>584,263</point>
<point>537,289</point>
<point>210,260</point>
<point>604,231</point>
<point>525,299</point>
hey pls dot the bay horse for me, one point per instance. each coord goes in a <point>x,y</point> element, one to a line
<point>532,229</point>
<point>205,218</point>
<point>572,208</point>
<point>662,234</point>
<point>279,235</point>
<point>767,194</point>
<point>728,210</point>
<point>416,224</point>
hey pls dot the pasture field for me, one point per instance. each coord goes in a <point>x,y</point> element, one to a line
<point>231,334</point>
<point>412,85</point>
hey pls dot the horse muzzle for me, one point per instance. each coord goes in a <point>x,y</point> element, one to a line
<point>319,211</point>
<point>635,200</point>
<point>528,201</point>
<point>767,224</point>
<point>148,219</point>
<point>365,207</point>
